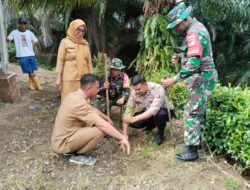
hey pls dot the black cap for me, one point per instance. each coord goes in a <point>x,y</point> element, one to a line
<point>22,20</point>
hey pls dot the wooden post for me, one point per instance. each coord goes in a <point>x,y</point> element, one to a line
<point>106,81</point>
<point>3,46</point>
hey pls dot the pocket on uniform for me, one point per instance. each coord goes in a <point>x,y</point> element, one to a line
<point>70,54</point>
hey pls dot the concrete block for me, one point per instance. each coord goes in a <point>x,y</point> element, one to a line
<point>9,88</point>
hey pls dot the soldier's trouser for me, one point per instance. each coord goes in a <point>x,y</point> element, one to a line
<point>159,121</point>
<point>194,111</point>
<point>84,140</point>
<point>100,104</point>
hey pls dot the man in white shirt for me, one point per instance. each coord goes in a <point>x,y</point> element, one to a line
<point>24,41</point>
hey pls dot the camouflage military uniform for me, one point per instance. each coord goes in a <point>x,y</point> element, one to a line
<point>118,87</point>
<point>199,73</point>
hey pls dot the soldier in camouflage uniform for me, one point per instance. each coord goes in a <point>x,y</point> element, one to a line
<point>118,85</point>
<point>197,72</point>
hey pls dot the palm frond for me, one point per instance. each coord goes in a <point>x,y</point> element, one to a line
<point>236,10</point>
<point>244,76</point>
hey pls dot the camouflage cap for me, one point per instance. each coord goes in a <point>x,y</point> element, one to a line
<point>117,64</point>
<point>178,14</point>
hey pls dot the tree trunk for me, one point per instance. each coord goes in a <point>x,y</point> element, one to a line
<point>3,45</point>
<point>102,34</point>
<point>93,32</point>
<point>46,29</point>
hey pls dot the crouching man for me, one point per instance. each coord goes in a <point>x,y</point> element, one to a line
<point>79,126</point>
<point>147,108</point>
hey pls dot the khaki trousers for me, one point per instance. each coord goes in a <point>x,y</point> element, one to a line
<point>84,140</point>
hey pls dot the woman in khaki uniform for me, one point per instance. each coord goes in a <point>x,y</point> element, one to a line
<point>73,59</point>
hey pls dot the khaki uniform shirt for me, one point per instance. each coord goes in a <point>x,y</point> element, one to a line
<point>74,113</point>
<point>153,100</point>
<point>73,60</point>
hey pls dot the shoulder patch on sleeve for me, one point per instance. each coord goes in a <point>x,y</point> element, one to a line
<point>194,45</point>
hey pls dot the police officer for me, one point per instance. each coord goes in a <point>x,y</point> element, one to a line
<point>197,72</point>
<point>147,108</point>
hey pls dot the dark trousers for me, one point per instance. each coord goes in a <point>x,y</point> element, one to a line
<point>159,121</point>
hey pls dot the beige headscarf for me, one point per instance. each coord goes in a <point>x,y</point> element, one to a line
<point>80,48</point>
<point>71,31</point>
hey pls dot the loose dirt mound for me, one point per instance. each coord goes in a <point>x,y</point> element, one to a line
<point>27,161</point>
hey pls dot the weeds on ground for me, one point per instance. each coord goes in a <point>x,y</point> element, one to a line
<point>171,163</point>
<point>2,104</point>
<point>21,126</point>
<point>148,149</point>
<point>48,113</point>
<point>232,184</point>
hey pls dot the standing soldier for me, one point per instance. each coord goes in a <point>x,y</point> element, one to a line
<point>197,72</point>
<point>118,85</point>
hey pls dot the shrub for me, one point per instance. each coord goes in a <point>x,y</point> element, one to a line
<point>12,52</point>
<point>228,123</point>
<point>99,64</point>
<point>178,96</point>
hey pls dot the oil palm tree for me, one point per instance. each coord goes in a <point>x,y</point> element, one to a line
<point>98,14</point>
<point>231,48</point>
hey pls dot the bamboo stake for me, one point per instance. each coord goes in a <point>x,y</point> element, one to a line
<point>106,81</point>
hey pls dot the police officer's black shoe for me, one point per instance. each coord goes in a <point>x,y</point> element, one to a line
<point>191,154</point>
<point>158,139</point>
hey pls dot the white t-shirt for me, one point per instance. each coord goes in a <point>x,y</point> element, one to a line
<point>23,42</point>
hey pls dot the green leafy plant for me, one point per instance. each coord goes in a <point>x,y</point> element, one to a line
<point>178,96</point>
<point>228,123</point>
<point>157,45</point>
<point>12,52</point>
<point>99,64</point>
<point>45,65</point>
<point>232,184</point>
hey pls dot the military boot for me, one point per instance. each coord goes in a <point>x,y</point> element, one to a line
<point>191,154</point>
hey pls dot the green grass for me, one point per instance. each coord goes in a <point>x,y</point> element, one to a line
<point>48,113</point>
<point>2,104</point>
<point>45,65</point>
<point>148,149</point>
<point>21,126</point>
<point>232,184</point>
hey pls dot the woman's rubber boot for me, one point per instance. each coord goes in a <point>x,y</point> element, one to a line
<point>30,86</point>
<point>37,83</point>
